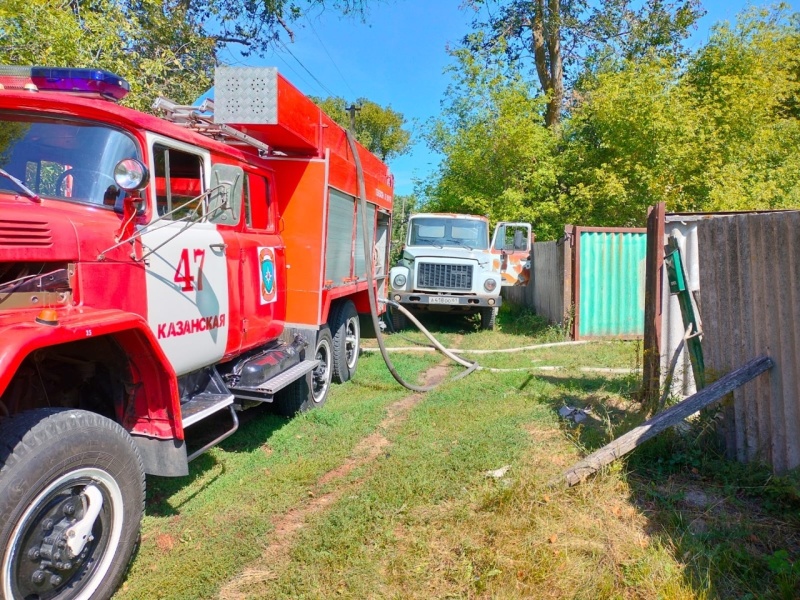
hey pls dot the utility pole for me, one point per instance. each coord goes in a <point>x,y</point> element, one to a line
<point>403,221</point>
<point>352,109</point>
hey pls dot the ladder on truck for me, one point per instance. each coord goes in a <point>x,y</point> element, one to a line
<point>201,119</point>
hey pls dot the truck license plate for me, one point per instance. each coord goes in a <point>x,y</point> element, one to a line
<point>442,300</point>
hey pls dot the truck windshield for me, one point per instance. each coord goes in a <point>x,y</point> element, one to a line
<point>64,159</point>
<point>442,231</point>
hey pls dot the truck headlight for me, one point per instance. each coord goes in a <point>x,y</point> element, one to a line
<point>399,280</point>
<point>130,174</point>
<point>489,285</point>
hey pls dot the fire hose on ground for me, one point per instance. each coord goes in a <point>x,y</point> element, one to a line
<point>470,366</point>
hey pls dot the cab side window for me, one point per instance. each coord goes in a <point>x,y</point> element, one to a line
<point>260,208</point>
<point>179,183</point>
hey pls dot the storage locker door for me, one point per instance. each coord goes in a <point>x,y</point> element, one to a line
<point>361,267</point>
<point>339,248</point>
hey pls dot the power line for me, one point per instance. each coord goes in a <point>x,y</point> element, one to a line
<point>335,66</point>
<point>314,77</point>
<point>293,70</point>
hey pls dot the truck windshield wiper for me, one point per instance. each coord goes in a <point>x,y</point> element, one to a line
<point>429,242</point>
<point>25,190</point>
<point>459,243</point>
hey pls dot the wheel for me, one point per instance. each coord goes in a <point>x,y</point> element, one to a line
<point>399,320</point>
<point>488,317</point>
<point>311,390</point>
<point>71,502</point>
<point>346,341</point>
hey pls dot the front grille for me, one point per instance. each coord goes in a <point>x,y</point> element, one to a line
<point>444,277</point>
<point>24,233</point>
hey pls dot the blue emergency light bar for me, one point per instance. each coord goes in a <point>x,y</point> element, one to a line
<point>84,81</point>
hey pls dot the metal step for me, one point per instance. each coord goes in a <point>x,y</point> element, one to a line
<point>265,391</point>
<point>204,405</point>
<point>226,434</point>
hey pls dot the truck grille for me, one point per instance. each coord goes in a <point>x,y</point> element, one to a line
<point>24,233</point>
<point>445,277</point>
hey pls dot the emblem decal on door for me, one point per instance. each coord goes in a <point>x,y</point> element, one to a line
<point>266,259</point>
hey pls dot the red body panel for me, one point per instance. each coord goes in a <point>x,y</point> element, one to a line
<point>109,284</point>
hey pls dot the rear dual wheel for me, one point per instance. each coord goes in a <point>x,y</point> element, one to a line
<point>71,502</point>
<point>346,331</point>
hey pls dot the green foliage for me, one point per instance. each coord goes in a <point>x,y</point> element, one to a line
<point>745,88</point>
<point>719,136</point>
<point>378,128</point>
<point>625,148</point>
<point>161,47</point>
<point>157,52</point>
<point>499,156</point>
<point>716,130</point>
<point>559,40</point>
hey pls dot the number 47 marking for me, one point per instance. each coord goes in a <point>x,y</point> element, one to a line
<point>183,274</point>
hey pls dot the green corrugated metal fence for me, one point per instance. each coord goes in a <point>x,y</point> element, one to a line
<point>609,294</point>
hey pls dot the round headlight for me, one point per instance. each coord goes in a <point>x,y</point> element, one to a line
<point>399,280</point>
<point>489,285</point>
<point>130,174</point>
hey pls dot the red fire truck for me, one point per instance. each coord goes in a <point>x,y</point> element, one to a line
<point>157,276</point>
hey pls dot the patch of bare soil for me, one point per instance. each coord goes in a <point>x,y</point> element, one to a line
<point>288,524</point>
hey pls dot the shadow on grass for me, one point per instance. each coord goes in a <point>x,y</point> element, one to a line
<point>511,319</point>
<point>604,420</point>
<point>735,527</point>
<point>256,426</point>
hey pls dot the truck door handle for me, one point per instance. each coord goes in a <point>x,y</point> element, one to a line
<point>218,246</point>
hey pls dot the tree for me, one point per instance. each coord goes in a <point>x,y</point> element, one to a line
<point>721,134</point>
<point>558,36</point>
<point>379,129</point>
<point>162,47</point>
<point>746,89</point>
<point>157,54</point>
<point>255,26</point>
<point>719,130</point>
<point>402,207</point>
<point>630,142</point>
<point>499,157</point>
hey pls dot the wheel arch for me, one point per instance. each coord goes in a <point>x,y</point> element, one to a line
<point>112,341</point>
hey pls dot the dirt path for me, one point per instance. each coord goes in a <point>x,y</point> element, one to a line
<point>288,524</point>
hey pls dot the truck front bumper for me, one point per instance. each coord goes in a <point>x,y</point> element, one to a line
<point>442,300</point>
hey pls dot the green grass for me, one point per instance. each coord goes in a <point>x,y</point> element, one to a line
<point>265,469</point>
<point>421,519</point>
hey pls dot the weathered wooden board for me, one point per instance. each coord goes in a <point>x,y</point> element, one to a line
<point>662,421</point>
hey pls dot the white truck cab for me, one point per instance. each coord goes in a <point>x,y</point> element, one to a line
<point>449,265</point>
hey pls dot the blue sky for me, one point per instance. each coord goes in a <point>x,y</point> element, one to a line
<point>397,59</point>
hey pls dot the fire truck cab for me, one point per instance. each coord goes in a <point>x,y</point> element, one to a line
<point>157,274</point>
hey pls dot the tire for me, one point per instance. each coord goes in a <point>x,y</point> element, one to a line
<point>311,390</point>
<point>399,320</point>
<point>57,465</point>
<point>346,331</point>
<point>488,318</point>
